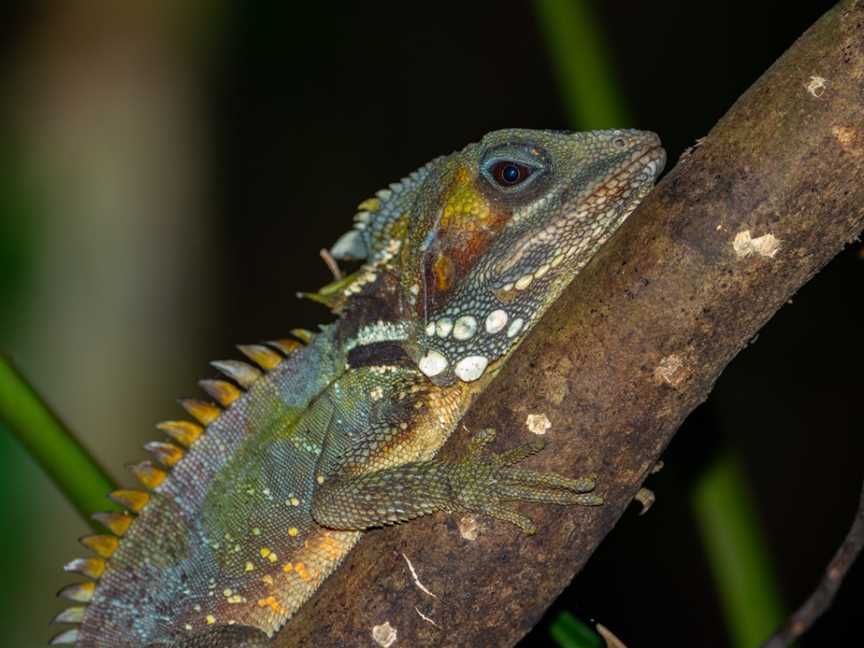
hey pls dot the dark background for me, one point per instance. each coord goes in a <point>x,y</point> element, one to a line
<point>307,110</point>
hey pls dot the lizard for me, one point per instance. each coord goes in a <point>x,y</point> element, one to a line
<point>252,503</point>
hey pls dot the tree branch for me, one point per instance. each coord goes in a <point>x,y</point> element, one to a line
<point>638,340</point>
<point>822,597</point>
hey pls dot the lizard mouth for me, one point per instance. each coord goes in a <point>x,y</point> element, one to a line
<point>650,160</point>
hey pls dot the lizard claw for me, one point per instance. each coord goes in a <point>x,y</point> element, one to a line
<point>482,485</point>
<point>480,440</point>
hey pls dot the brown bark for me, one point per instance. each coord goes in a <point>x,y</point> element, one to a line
<point>729,235</point>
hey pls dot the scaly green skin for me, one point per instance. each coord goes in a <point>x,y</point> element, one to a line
<point>461,259</point>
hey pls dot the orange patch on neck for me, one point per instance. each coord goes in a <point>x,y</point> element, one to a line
<point>443,269</point>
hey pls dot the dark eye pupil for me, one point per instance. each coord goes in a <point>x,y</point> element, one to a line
<point>510,173</point>
<point>507,173</point>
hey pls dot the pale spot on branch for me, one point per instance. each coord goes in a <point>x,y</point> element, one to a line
<point>671,370</point>
<point>469,528</point>
<point>847,138</point>
<point>417,582</point>
<point>766,245</point>
<point>538,423</point>
<point>425,618</point>
<point>384,634</point>
<point>816,86</point>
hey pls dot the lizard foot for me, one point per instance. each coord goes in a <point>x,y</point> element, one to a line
<point>482,484</point>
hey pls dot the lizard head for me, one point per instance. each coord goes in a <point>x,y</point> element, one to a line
<point>485,239</point>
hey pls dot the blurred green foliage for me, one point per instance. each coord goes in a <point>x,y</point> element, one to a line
<point>75,472</point>
<point>18,223</point>
<point>739,558</point>
<point>570,632</point>
<point>583,65</point>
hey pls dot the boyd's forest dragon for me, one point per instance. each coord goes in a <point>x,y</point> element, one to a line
<point>252,504</point>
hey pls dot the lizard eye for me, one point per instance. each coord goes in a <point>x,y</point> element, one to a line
<point>509,174</point>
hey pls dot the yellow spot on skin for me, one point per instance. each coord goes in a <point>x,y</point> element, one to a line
<point>188,626</point>
<point>270,602</point>
<point>330,546</point>
<point>465,206</point>
<point>505,295</point>
<point>287,567</point>
<point>236,599</point>
<point>264,552</point>
<point>295,501</point>
<point>256,531</point>
<point>249,566</point>
<point>320,479</point>
<point>302,571</point>
<point>293,531</point>
<point>268,579</point>
<point>211,619</point>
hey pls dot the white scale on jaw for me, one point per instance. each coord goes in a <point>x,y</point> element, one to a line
<point>467,369</point>
<point>465,327</point>
<point>496,321</point>
<point>471,367</point>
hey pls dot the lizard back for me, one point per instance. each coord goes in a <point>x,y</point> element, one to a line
<point>228,518</point>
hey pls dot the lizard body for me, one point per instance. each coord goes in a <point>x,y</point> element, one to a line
<point>268,491</point>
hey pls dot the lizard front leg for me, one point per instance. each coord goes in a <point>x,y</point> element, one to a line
<point>477,484</point>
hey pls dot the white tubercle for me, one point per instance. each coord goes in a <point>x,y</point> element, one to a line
<point>471,368</point>
<point>432,364</point>
<point>515,327</point>
<point>465,327</point>
<point>496,320</point>
<point>524,281</point>
<point>443,327</point>
<point>430,329</point>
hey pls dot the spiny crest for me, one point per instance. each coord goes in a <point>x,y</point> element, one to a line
<point>379,230</point>
<point>102,545</point>
<point>374,222</point>
<point>167,454</point>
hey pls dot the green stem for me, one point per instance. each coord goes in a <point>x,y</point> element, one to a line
<point>78,476</point>
<point>737,553</point>
<point>586,76</point>
<point>570,632</point>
